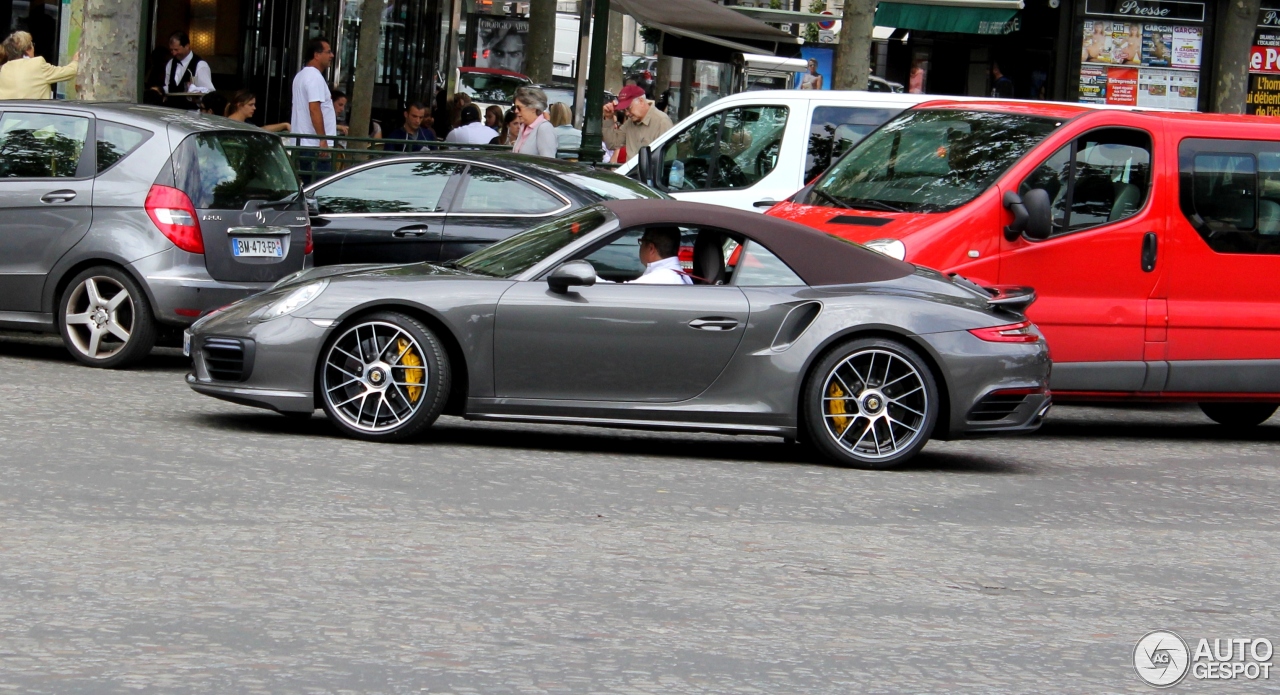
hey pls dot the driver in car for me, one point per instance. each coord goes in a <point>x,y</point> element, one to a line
<point>660,254</point>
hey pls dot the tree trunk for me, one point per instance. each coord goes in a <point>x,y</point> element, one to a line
<point>541,48</point>
<point>109,50</point>
<point>366,71</point>
<point>613,60</point>
<point>1231,82</point>
<point>853,54</point>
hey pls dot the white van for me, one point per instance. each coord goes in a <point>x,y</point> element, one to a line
<point>753,149</point>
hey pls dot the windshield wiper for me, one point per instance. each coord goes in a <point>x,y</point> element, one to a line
<point>869,204</point>
<point>831,198</point>
<point>287,200</point>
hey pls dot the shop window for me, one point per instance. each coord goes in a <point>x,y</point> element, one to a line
<point>1231,194</point>
<point>1100,178</point>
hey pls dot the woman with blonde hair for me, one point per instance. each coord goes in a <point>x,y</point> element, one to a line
<point>241,107</point>
<point>25,75</point>
<point>568,137</point>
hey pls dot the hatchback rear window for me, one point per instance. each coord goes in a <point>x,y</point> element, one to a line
<point>224,171</point>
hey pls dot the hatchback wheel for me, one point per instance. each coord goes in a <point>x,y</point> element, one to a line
<point>384,377</point>
<point>105,318</point>
<point>1239,414</point>
<point>870,404</point>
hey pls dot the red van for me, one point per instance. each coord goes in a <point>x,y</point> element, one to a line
<point>1151,238</point>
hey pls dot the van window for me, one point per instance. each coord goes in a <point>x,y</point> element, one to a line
<point>1103,176</point>
<point>224,171</point>
<point>1230,192</point>
<point>930,160</point>
<point>834,129</point>
<point>734,148</point>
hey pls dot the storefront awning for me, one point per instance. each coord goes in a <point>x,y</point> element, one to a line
<point>705,30</point>
<point>959,17</point>
<point>765,14</point>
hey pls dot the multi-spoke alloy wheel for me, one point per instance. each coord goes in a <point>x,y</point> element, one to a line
<point>384,378</point>
<point>872,404</point>
<point>104,318</point>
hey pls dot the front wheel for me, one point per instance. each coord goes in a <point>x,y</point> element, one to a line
<point>384,377</point>
<point>870,403</point>
<point>105,318</point>
<point>1239,415</point>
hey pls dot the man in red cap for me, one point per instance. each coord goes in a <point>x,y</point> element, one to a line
<point>643,125</point>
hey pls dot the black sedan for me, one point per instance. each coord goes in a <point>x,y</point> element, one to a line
<point>440,206</point>
<point>784,331</point>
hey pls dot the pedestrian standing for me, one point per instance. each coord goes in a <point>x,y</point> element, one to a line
<point>493,117</point>
<point>568,137</point>
<point>185,72</point>
<point>643,125</point>
<point>313,112</point>
<point>1001,86</point>
<point>472,131</point>
<point>412,129</point>
<point>537,136</point>
<point>510,129</point>
<point>27,76</point>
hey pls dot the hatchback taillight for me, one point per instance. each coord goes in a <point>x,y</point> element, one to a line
<point>174,215</point>
<point>311,246</point>
<point>1009,333</point>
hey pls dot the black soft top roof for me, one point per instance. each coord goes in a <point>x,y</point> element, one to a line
<point>818,258</point>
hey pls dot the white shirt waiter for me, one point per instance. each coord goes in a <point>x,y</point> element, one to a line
<point>185,71</point>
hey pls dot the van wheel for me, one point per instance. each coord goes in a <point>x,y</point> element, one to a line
<point>870,403</point>
<point>105,319</point>
<point>1239,415</point>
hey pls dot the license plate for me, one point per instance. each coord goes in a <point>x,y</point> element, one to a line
<point>186,343</point>
<point>254,247</point>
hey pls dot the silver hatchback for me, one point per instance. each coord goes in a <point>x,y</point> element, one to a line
<point>121,223</point>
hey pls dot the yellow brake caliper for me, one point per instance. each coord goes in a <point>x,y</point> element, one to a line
<point>413,371</point>
<point>837,407</point>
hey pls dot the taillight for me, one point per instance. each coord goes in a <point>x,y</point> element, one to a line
<point>174,215</point>
<point>310,244</point>
<point>1010,333</point>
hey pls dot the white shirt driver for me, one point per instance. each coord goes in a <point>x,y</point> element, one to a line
<point>665,271</point>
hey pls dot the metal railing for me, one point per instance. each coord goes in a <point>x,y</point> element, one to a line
<point>312,162</point>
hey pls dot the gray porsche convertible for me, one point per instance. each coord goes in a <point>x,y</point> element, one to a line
<point>783,331</point>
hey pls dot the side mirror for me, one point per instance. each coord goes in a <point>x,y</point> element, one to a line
<point>644,165</point>
<point>571,274</point>
<point>1013,202</point>
<point>1039,214</point>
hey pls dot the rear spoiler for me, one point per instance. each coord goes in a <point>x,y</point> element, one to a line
<point>1010,297</point>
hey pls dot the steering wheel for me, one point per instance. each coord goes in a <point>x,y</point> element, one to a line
<point>729,173</point>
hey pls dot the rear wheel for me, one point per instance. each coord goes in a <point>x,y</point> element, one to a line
<point>1238,415</point>
<point>384,377</point>
<point>105,318</point>
<point>870,403</point>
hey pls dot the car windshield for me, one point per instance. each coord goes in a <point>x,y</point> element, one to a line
<point>611,186</point>
<point>224,171</point>
<point>517,254</point>
<point>930,160</point>
<point>490,88</point>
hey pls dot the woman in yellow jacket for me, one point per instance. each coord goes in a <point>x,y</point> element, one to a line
<point>25,76</point>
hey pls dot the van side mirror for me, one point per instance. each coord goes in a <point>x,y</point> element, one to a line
<point>644,165</point>
<point>1039,214</point>
<point>1013,203</point>
<point>571,274</point>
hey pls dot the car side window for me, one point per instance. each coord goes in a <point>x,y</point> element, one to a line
<point>758,267</point>
<point>403,187</point>
<point>115,142</point>
<point>1101,177</point>
<point>41,145</point>
<point>492,191</point>
<point>1230,192</point>
<point>834,129</point>
<point>733,149</point>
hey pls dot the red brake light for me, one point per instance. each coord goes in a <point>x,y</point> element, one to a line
<point>174,215</point>
<point>310,244</point>
<point>1009,333</point>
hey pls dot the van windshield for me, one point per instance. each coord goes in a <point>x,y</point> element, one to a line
<point>930,160</point>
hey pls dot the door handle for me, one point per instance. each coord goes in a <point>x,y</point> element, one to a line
<point>58,197</point>
<point>1150,244</point>
<point>766,203</point>
<point>416,230</point>
<point>714,323</point>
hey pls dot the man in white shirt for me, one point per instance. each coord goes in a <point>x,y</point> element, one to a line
<point>660,252</point>
<point>185,72</point>
<point>472,131</point>
<point>313,110</point>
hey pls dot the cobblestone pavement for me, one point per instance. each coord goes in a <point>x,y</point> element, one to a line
<point>154,540</point>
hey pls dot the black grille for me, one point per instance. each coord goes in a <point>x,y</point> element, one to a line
<point>227,359</point>
<point>996,406</point>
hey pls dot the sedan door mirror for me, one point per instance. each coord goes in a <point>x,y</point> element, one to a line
<point>313,206</point>
<point>571,274</point>
<point>1039,214</point>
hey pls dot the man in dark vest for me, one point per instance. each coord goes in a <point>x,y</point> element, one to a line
<point>185,73</point>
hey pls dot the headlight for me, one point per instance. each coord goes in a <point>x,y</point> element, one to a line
<point>889,247</point>
<point>289,278</point>
<point>295,300</point>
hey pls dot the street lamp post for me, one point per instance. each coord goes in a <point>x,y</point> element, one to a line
<point>593,115</point>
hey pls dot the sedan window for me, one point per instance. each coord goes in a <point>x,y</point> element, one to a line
<point>514,255</point>
<point>403,187</point>
<point>491,191</point>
